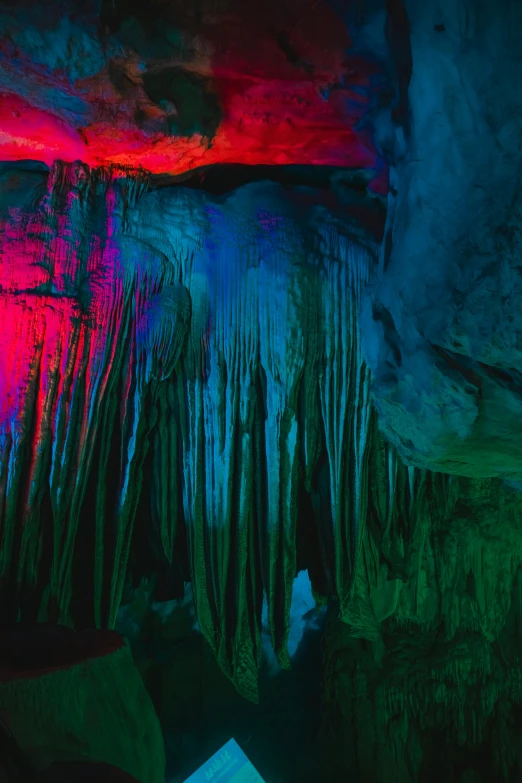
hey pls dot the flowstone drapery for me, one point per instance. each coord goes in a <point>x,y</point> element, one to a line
<point>186,363</point>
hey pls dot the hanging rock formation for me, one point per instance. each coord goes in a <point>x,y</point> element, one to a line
<point>209,345</point>
<point>189,368</point>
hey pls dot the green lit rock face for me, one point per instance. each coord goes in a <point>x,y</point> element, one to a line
<point>432,690</point>
<point>70,698</point>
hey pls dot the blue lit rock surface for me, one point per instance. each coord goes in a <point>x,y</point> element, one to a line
<point>442,328</point>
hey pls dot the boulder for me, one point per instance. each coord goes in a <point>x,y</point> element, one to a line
<point>70,698</point>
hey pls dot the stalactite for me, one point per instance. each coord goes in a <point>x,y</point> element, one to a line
<point>86,312</point>
<point>50,347</point>
<point>203,354</point>
<point>345,406</point>
<point>284,293</point>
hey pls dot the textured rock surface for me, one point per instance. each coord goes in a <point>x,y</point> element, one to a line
<point>438,664</point>
<point>91,707</point>
<point>426,655</point>
<point>170,86</point>
<point>443,327</point>
<point>186,371</point>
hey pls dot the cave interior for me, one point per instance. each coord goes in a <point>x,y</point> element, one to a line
<point>261,390</point>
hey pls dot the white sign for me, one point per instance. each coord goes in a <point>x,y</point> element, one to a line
<point>228,765</point>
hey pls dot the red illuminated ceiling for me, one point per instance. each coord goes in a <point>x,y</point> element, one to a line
<point>291,104</point>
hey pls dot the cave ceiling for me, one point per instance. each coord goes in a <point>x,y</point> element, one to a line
<point>171,86</point>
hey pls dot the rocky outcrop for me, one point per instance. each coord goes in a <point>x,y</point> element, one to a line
<point>69,700</point>
<point>227,383</point>
<point>187,372</point>
<point>442,327</point>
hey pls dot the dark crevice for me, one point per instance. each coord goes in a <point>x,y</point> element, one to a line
<point>225,177</point>
<point>336,187</point>
<point>399,39</point>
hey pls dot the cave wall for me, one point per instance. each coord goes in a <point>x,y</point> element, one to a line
<point>419,680</point>
<point>435,694</point>
<point>227,385</point>
<point>442,331</point>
